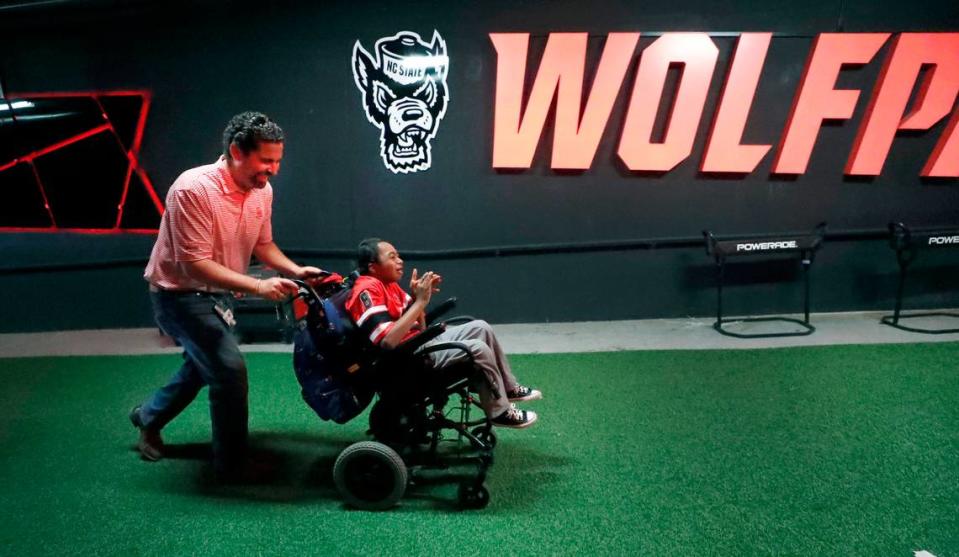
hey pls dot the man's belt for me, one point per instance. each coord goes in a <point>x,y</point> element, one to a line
<point>158,290</point>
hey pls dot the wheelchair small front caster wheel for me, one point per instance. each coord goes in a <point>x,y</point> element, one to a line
<point>370,476</point>
<point>486,435</point>
<point>473,496</point>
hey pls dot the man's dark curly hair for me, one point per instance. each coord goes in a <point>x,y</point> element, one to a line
<point>248,129</point>
<point>366,253</point>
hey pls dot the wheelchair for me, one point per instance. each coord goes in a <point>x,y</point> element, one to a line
<point>340,372</point>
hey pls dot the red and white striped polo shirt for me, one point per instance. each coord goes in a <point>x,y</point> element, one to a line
<point>208,217</point>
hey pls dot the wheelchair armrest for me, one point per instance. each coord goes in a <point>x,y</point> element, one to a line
<point>452,345</point>
<point>411,345</point>
<point>439,310</point>
<point>459,319</point>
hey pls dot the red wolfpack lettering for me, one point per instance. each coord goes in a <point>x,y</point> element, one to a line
<point>698,54</point>
<point>576,138</point>
<point>724,152</point>
<point>818,100</point>
<point>575,141</point>
<point>937,94</point>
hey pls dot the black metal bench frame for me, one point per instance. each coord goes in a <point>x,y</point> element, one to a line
<point>806,247</point>
<point>907,243</point>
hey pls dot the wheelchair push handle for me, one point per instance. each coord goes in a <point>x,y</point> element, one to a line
<point>305,289</point>
<point>323,285</point>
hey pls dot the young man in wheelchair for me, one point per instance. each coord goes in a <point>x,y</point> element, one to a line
<point>387,315</point>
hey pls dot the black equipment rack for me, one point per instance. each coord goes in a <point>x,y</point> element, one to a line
<point>805,245</point>
<point>907,243</point>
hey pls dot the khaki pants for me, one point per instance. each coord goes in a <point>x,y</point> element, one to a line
<point>478,336</point>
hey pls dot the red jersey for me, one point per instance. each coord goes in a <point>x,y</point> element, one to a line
<point>375,307</point>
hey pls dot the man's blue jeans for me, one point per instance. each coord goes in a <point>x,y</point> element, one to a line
<point>211,358</point>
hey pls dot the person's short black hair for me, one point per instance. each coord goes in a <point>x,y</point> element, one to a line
<point>248,129</point>
<point>366,253</point>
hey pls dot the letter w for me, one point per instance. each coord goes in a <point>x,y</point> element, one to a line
<point>515,135</point>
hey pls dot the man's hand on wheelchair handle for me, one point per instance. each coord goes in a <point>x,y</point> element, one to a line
<point>310,273</point>
<point>315,277</point>
<point>276,289</point>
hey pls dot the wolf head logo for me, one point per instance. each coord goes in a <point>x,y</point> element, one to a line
<point>404,95</point>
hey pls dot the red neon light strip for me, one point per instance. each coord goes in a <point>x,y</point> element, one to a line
<point>49,95</point>
<point>142,122</point>
<point>126,188</point>
<point>81,136</point>
<point>131,155</point>
<point>152,192</point>
<point>137,142</point>
<point>43,192</point>
<point>101,231</point>
<point>128,154</point>
<point>123,196</point>
<point>133,163</point>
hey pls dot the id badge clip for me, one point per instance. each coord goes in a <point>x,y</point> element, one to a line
<point>225,313</point>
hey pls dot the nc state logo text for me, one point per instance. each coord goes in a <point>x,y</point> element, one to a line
<point>404,95</point>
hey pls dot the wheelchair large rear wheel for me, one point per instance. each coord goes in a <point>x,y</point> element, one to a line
<point>370,476</point>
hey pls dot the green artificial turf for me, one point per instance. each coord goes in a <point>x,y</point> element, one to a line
<point>846,450</point>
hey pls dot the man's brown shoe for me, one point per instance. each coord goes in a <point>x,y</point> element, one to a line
<point>150,444</point>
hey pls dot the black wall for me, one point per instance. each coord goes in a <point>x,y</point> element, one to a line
<point>205,61</point>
